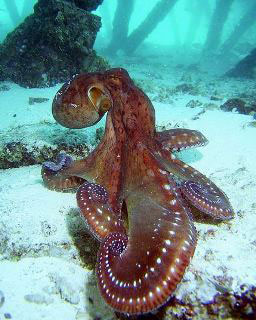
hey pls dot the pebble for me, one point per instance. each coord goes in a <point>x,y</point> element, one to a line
<point>2,298</point>
<point>38,298</point>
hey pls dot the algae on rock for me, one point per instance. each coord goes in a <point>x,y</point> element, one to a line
<point>51,45</point>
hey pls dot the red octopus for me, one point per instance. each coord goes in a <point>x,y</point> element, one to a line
<point>135,197</point>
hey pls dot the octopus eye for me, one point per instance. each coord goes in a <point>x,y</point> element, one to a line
<point>94,95</point>
<point>100,101</point>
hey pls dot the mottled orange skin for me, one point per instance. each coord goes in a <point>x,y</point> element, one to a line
<point>136,197</point>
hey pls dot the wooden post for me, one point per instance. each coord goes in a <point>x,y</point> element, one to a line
<point>120,25</point>
<point>219,18</point>
<point>156,15</point>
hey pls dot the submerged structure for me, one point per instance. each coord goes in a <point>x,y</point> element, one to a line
<point>51,45</point>
<point>246,68</point>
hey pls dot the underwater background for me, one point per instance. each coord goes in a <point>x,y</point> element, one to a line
<point>196,61</point>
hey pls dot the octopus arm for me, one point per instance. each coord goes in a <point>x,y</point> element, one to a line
<point>200,191</point>
<point>93,202</point>
<point>178,139</point>
<point>63,174</point>
<point>139,272</point>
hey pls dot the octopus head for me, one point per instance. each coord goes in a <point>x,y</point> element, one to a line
<point>81,102</point>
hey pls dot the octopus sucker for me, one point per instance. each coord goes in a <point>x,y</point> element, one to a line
<point>133,194</point>
<point>93,201</point>
<point>143,249</point>
<point>210,201</point>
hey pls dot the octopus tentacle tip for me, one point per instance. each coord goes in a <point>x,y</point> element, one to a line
<point>208,199</point>
<point>133,195</point>
<point>63,161</point>
<point>146,289</point>
<point>180,139</point>
<point>55,174</point>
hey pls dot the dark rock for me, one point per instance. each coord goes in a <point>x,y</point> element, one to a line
<point>2,298</point>
<point>88,5</point>
<point>51,45</point>
<point>33,100</point>
<point>215,98</point>
<point>245,68</point>
<point>235,103</point>
<point>194,104</point>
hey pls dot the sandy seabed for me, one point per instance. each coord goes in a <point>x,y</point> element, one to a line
<point>42,275</point>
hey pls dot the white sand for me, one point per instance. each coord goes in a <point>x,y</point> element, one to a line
<point>48,280</point>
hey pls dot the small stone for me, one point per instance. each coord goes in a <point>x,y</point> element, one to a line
<point>38,298</point>
<point>2,298</point>
<point>33,100</point>
<point>215,98</point>
<point>194,104</point>
<point>7,315</point>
